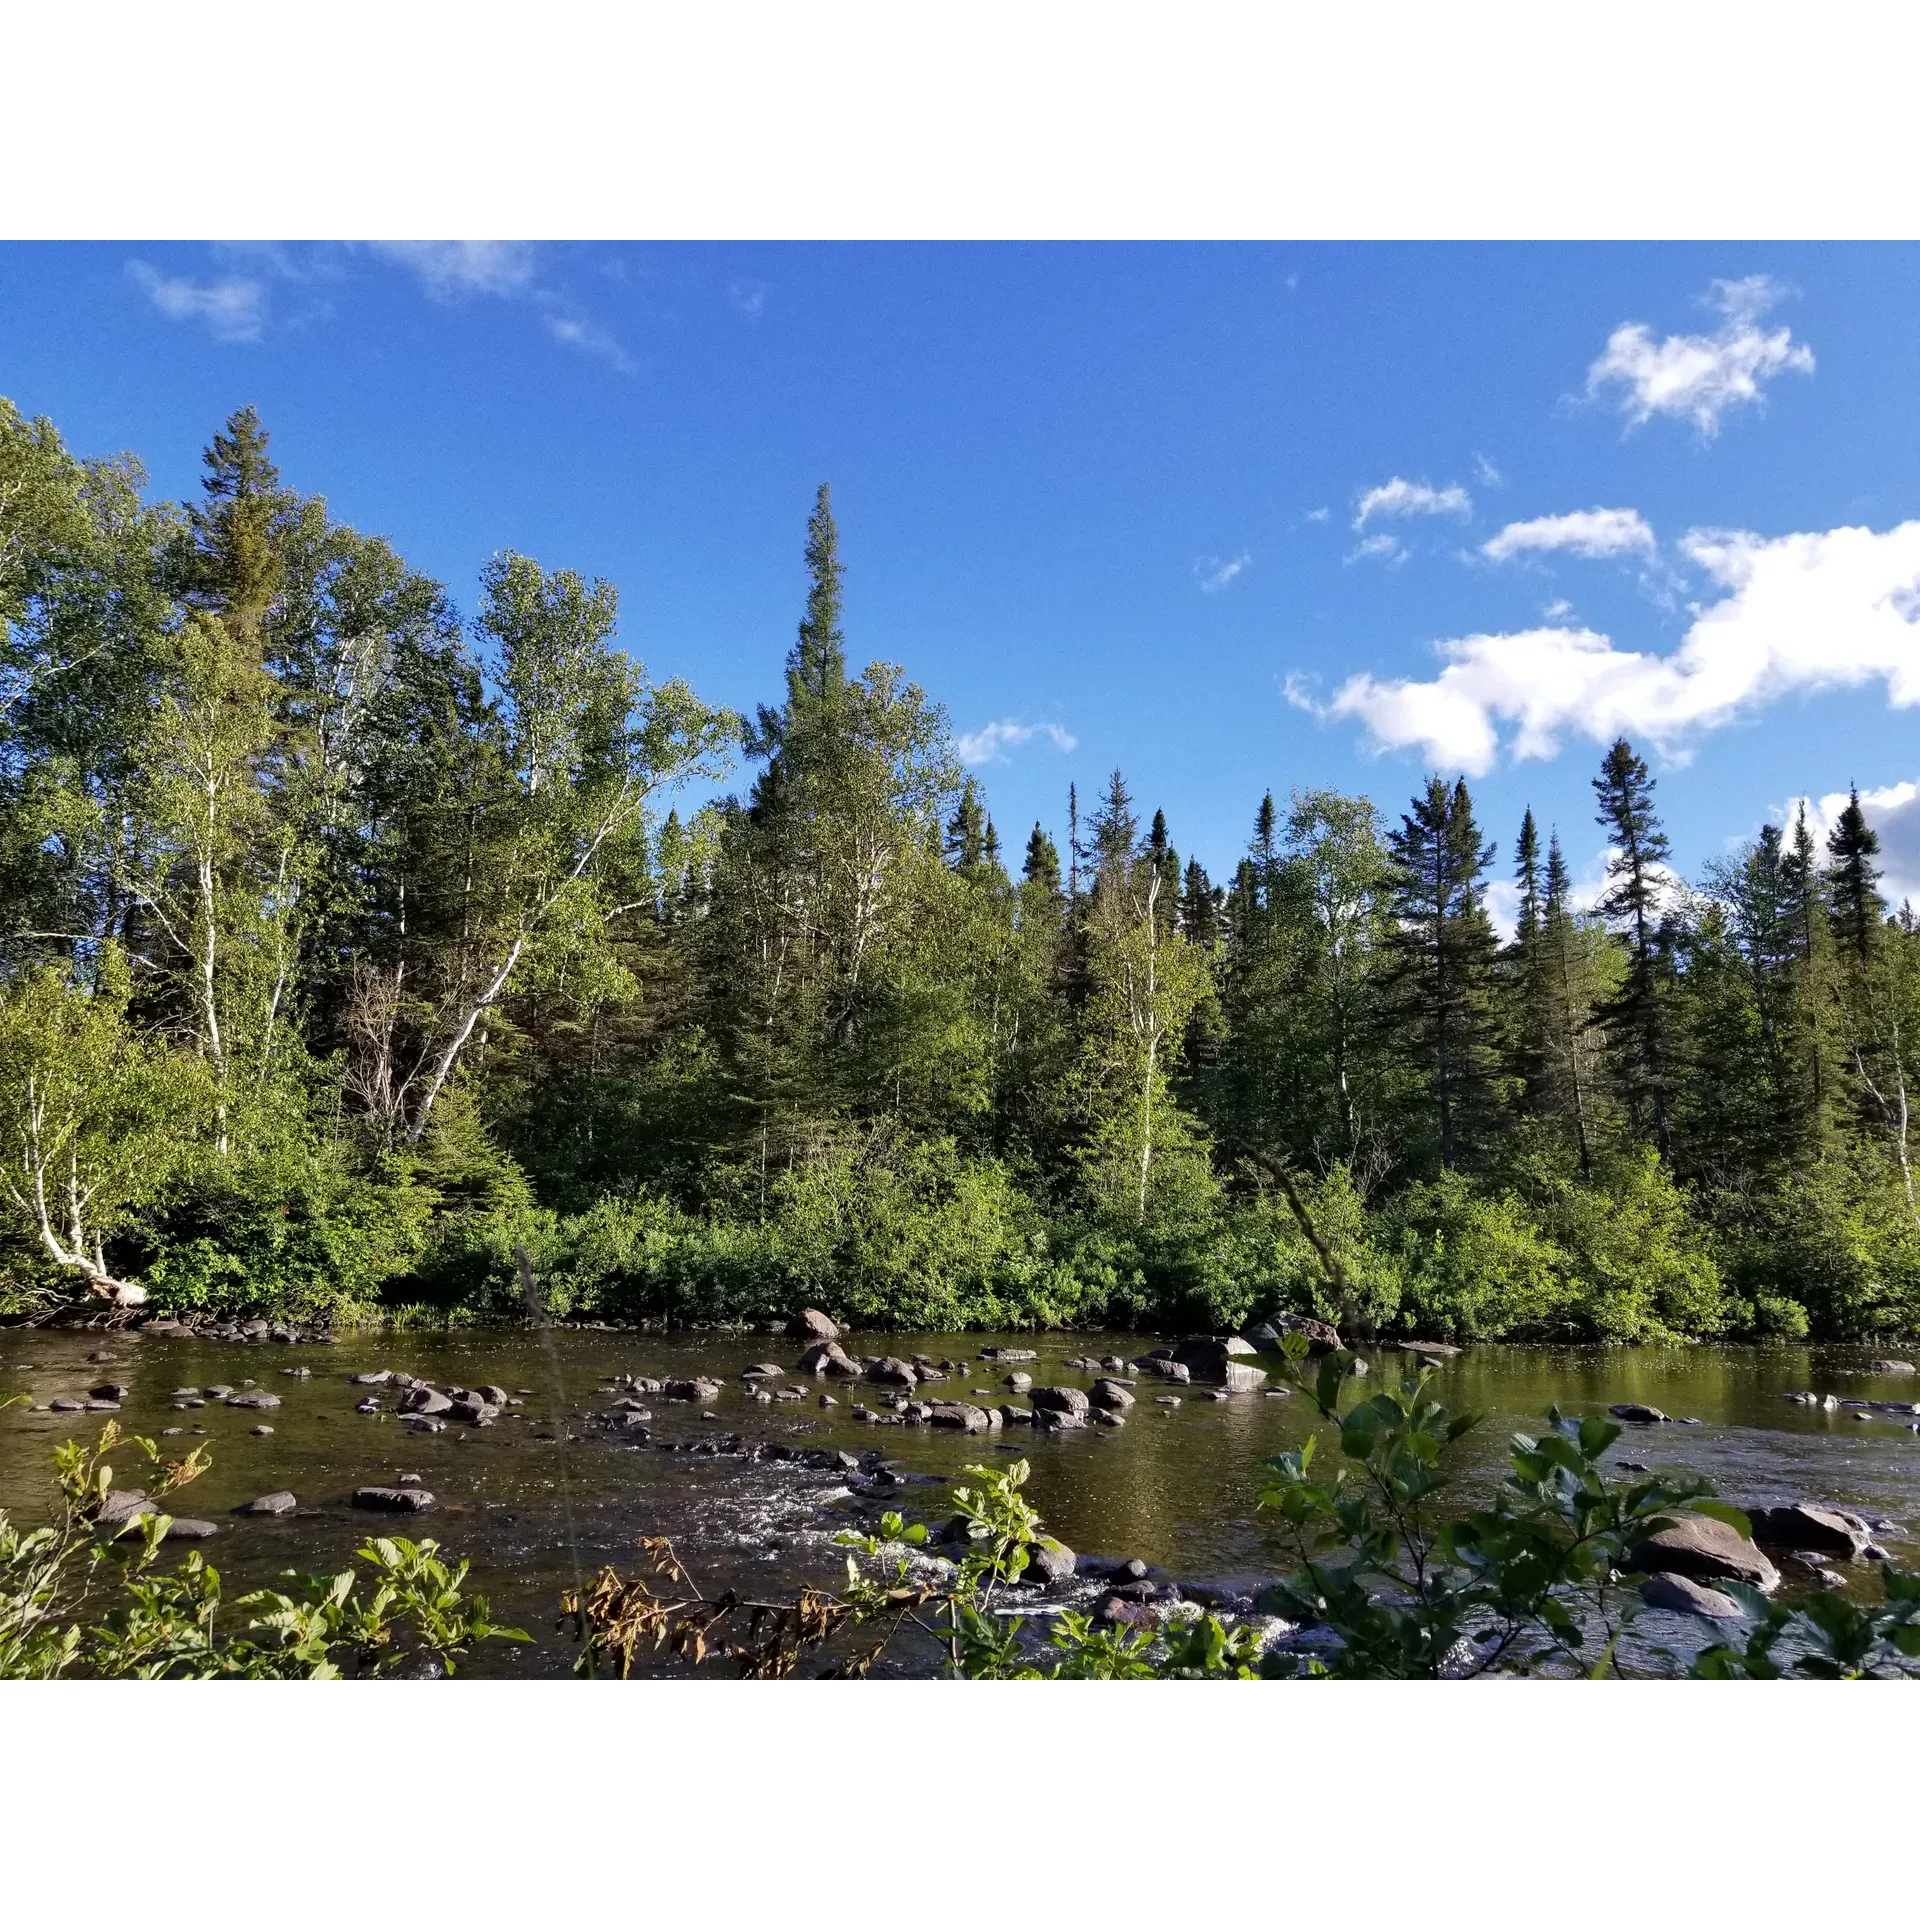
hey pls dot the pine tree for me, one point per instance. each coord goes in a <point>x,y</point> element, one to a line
<point>1815,1038</point>
<point>1446,949</point>
<point>966,841</point>
<point>1199,907</point>
<point>1632,905</point>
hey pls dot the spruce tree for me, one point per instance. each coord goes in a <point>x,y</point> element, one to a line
<point>1445,946</point>
<point>1567,980</point>
<point>1853,893</point>
<point>1042,865</point>
<point>1632,905</point>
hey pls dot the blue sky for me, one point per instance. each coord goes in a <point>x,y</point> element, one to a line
<point>1201,512</point>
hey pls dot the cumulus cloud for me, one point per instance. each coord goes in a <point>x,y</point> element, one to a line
<point>1400,498</point>
<point>233,308</point>
<point>452,269</point>
<point>1699,376</point>
<point>1806,613</point>
<point>1213,573</point>
<point>1599,533</point>
<point>990,744</point>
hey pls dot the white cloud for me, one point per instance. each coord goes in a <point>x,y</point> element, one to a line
<point>1598,533</point>
<point>585,336</point>
<point>1557,610</point>
<point>451,269</point>
<point>1399,498</point>
<point>232,309</point>
<point>1892,812</point>
<point>1486,472</point>
<point>1213,573</point>
<point>1379,546</point>
<point>1699,376</point>
<point>1806,613</point>
<point>1319,513</point>
<point>748,297</point>
<point>992,741</point>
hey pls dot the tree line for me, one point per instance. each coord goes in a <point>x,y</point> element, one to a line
<point>349,943</point>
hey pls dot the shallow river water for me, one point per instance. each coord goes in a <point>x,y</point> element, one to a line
<point>546,1494</point>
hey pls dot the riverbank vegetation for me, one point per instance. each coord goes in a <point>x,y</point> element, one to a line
<point>349,943</point>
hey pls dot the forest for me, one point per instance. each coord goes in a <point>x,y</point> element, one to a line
<point>350,942</point>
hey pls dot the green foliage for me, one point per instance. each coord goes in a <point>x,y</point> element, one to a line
<point>78,1600</point>
<point>1478,1266</point>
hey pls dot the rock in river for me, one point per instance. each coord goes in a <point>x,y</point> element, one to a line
<point>1048,1562</point>
<point>393,1499</point>
<point>1111,1395</point>
<point>1811,1528</point>
<point>424,1400</point>
<point>269,1505</point>
<point>122,1504</point>
<point>1703,1548</point>
<point>812,1324</point>
<point>1319,1336</point>
<point>1632,1411</point>
<point>1059,1400</point>
<point>893,1371</point>
<point>701,1389</point>
<point>1675,1593</point>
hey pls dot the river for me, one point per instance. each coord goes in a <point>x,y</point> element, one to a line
<point>547,1493</point>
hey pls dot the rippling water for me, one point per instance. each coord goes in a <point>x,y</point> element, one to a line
<point>546,1491</point>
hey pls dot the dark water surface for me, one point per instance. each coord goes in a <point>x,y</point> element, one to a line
<point>545,1492</point>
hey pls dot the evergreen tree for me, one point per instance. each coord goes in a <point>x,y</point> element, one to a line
<point>1041,867</point>
<point>1632,905</point>
<point>1566,974</point>
<point>1852,884</point>
<point>1446,950</point>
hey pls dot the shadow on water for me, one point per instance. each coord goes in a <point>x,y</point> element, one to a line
<point>546,1494</point>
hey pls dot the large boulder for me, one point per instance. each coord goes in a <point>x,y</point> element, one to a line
<point>1055,1420</point>
<point>829,1358</point>
<point>1430,1349</point>
<point>1059,1400</point>
<point>962,1414</point>
<point>393,1499</point>
<point>1635,1414</point>
<point>700,1389</point>
<point>180,1528</point>
<point>1887,1366</point>
<point>121,1506</point>
<point>424,1400</point>
<point>1675,1593</point>
<point>1048,1562</point>
<point>1703,1549</point>
<point>1163,1369</point>
<point>1111,1395</point>
<point>1007,1355</point>
<point>271,1506</point>
<point>1209,1356</point>
<point>1319,1336</point>
<point>811,1324</point>
<point>257,1399</point>
<point>1807,1528</point>
<point>894,1372</point>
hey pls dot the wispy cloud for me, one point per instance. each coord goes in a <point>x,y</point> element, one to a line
<point>1214,574</point>
<point>1701,376</point>
<point>454,269</point>
<point>1599,533</point>
<point>748,297</point>
<point>1379,546</point>
<point>1802,614</point>
<point>586,336</point>
<point>1486,472</point>
<point>1319,513</point>
<point>232,308</point>
<point>997,736</point>
<point>1399,499</point>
